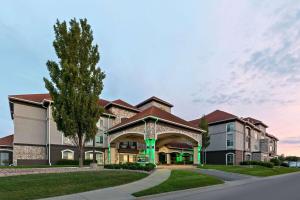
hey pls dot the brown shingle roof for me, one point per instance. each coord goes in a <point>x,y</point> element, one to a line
<point>254,121</point>
<point>7,140</point>
<point>215,116</point>
<point>39,98</point>
<point>156,113</point>
<point>123,104</point>
<point>154,99</point>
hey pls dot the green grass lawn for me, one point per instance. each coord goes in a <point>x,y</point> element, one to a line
<point>253,170</point>
<point>46,185</point>
<point>180,180</point>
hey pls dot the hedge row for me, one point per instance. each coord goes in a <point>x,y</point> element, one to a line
<point>131,166</point>
<point>253,162</point>
<point>184,162</point>
<point>73,162</point>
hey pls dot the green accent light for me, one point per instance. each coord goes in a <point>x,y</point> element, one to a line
<point>108,154</point>
<point>199,154</point>
<point>150,150</point>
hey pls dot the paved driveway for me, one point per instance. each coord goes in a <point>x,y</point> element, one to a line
<point>226,176</point>
<point>275,188</point>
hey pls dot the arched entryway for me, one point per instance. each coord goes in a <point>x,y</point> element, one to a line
<point>176,148</point>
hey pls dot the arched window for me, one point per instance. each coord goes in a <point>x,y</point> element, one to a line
<point>67,154</point>
<point>230,158</point>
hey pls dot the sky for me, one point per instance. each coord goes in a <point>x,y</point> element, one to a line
<point>239,56</point>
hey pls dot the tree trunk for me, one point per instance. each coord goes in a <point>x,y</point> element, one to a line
<point>80,148</point>
<point>94,148</point>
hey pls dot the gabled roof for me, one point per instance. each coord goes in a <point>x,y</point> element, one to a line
<point>254,121</point>
<point>7,140</point>
<point>154,99</point>
<point>155,113</point>
<point>216,116</point>
<point>40,98</point>
<point>122,104</point>
<point>34,98</point>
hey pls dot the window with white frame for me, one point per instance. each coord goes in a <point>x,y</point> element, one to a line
<point>230,127</point>
<point>99,156</point>
<point>230,158</point>
<point>230,135</point>
<point>99,139</point>
<point>67,154</point>
<point>248,138</point>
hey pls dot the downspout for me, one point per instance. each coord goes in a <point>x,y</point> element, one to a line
<point>48,133</point>
<point>108,145</point>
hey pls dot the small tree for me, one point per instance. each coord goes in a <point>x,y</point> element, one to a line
<point>205,136</point>
<point>76,82</point>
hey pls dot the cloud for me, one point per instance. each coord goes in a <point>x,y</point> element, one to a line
<point>264,71</point>
<point>291,140</point>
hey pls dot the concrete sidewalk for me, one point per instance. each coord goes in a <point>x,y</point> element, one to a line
<point>122,192</point>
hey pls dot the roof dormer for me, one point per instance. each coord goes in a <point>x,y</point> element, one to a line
<point>157,102</point>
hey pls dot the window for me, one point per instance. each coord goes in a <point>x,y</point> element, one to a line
<point>99,156</point>
<point>128,145</point>
<point>67,154</point>
<point>230,127</point>
<point>248,138</point>
<point>230,159</point>
<point>4,158</point>
<point>271,148</point>
<point>229,140</point>
<point>99,139</point>
<point>255,135</point>
<point>248,157</point>
<point>101,123</point>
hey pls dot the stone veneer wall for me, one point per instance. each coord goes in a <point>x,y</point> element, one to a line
<point>161,128</point>
<point>120,113</point>
<point>28,152</point>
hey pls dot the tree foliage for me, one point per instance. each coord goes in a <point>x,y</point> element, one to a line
<point>205,136</point>
<point>76,82</point>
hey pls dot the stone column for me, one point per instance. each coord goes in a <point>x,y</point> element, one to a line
<point>168,159</point>
<point>197,155</point>
<point>113,154</point>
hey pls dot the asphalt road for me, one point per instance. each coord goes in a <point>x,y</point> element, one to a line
<point>275,188</point>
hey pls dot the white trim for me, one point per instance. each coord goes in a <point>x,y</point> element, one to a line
<point>62,153</point>
<point>233,159</point>
<point>233,135</point>
<point>28,101</point>
<point>91,151</point>
<point>6,150</point>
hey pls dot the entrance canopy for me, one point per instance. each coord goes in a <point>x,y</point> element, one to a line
<point>153,129</point>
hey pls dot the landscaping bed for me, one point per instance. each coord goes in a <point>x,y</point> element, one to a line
<point>253,170</point>
<point>131,166</point>
<point>180,180</point>
<point>37,186</point>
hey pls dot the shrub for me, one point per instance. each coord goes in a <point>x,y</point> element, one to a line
<point>131,166</point>
<point>72,162</point>
<point>284,164</point>
<point>275,161</point>
<point>253,162</point>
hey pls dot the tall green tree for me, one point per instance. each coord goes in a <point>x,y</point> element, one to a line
<point>203,124</point>
<point>76,82</point>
